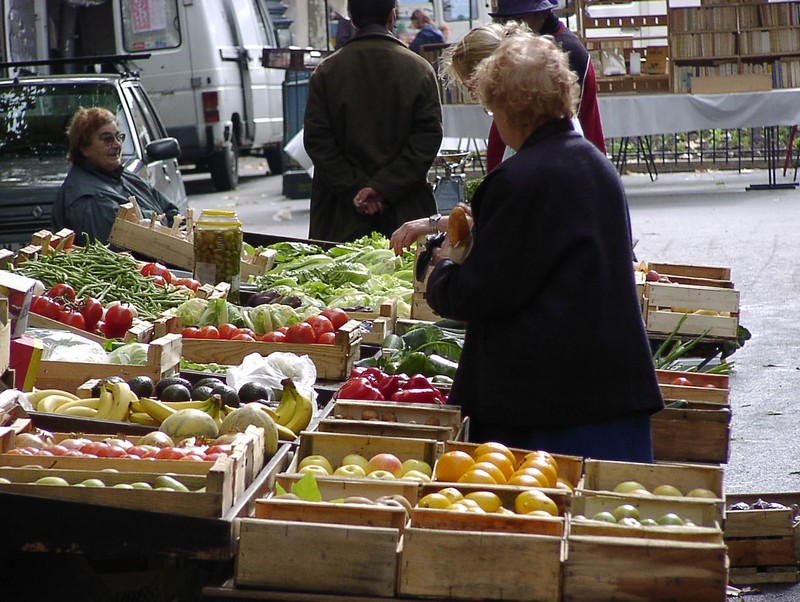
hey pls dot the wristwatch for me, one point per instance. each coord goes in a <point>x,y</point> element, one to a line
<point>433,222</point>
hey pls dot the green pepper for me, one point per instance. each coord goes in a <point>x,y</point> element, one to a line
<point>441,379</point>
<point>392,341</point>
<point>413,363</point>
<point>437,364</point>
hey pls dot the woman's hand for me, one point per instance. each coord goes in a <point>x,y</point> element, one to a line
<point>410,232</point>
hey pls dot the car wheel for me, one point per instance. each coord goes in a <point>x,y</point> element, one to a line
<point>275,162</point>
<point>224,168</point>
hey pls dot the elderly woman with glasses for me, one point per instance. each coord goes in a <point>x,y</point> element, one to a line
<point>97,184</point>
<point>547,290</point>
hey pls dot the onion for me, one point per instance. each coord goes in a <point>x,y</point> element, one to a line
<point>123,443</point>
<point>74,442</point>
<point>157,438</point>
<point>30,440</point>
<point>230,438</point>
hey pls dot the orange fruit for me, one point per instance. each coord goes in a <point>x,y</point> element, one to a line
<point>477,476</point>
<point>564,484</point>
<point>542,454</point>
<point>487,500</point>
<point>493,470</point>
<point>533,499</point>
<point>494,446</point>
<point>499,460</point>
<point>524,480</point>
<point>534,472</point>
<point>546,468</point>
<point>451,465</point>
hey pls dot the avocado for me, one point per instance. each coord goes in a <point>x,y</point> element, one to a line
<point>229,395</point>
<point>171,380</point>
<point>176,392</point>
<point>142,386</point>
<point>202,392</point>
<point>253,391</point>
<point>209,381</point>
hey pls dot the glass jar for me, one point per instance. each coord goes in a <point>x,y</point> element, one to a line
<point>218,249</point>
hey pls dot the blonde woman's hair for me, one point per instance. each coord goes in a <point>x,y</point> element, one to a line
<point>528,76</point>
<point>458,61</point>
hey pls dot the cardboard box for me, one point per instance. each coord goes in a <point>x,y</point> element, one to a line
<point>726,84</point>
<point>26,358</point>
<point>19,292</point>
<point>655,60</point>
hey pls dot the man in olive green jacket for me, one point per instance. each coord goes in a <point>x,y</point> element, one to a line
<point>373,126</point>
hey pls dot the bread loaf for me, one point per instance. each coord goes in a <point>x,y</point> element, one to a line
<point>458,230</point>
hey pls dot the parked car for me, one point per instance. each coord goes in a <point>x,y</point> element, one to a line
<point>35,111</point>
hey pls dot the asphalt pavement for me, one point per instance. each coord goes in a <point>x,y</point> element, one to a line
<point>700,218</point>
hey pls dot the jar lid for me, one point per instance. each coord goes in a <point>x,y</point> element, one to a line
<point>220,212</point>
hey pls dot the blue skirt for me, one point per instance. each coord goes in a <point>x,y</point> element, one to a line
<point>625,439</point>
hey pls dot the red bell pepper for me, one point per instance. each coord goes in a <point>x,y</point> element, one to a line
<point>418,396</point>
<point>360,387</point>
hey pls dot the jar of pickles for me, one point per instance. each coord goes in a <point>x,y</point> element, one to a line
<point>218,249</point>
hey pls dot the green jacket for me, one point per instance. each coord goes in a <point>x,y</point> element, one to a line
<point>373,118</point>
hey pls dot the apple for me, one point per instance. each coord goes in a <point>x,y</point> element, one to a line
<point>648,522</point>
<point>626,511</point>
<point>670,518</point>
<point>141,485</point>
<point>385,461</point>
<point>357,459</point>
<point>316,460</point>
<point>701,492</point>
<point>381,474</point>
<point>629,521</point>
<point>652,276</point>
<point>416,475</point>
<point>605,516</point>
<point>123,486</point>
<point>316,469</point>
<point>629,487</point>
<point>93,483</point>
<point>51,481</point>
<point>418,465</point>
<point>667,490</point>
<point>350,471</point>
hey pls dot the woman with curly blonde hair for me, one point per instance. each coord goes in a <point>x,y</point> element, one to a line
<point>549,277</point>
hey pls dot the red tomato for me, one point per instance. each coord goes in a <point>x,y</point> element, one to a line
<point>118,319</point>
<point>247,331</point>
<point>215,456</point>
<point>209,332</point>
<point>337,316</point>
<point>57,450</point>
<point>45,306</point>
<point>94,448</point>
<point>92,311</point>
<point>73,318</point>
<point>138,450</point>
<point>170,453</point>
<point>320,324</point>
<point>157,269</point>
<point>283,329</point>
<point>226,331</point>
<point>301,332</point>
<point>326,338</point>
<point>219,448</point>
<point>160,281</point>
<point>681,381</point>
<point>190,332</point>
<point>243,337</point>
<point>189,283</point>
<point>273,337</point>
<point>62,290</point>
<point>192,458</point>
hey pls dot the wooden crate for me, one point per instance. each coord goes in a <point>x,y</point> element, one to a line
<point>163,359</point>
<point>643,570</point>
<point>317,557</point>
<point>703,514</point>
<point>705,388</point>
<point>334,446</point>
<point>376,325</point>
<point>694,432</point>
<point>762,543</point>
<point>369,488</point>
<point>480,565</point>
<point>333,362</point>
<point>5,336</point>
<point>170,245</point>
<point>628,84</point>
<point>394,419</point>
<point>569,467</point>
<point>665,304</point>
<point>420,310</point>
<point>602,476</point>
<point>702,275</point>
<point>141,331</point>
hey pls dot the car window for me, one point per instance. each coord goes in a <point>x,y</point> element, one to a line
<point>148,126</point>
<point>34,116</point>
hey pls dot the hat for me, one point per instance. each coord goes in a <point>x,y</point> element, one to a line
<point>513,8</point>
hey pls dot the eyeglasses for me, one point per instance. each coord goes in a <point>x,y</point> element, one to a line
<point>109,139</point>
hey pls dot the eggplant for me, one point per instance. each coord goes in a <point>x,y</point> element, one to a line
<point>262,297</point>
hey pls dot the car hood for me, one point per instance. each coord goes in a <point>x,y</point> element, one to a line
<point>45,172</point>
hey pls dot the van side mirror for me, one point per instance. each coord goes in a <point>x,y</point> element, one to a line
<point>160,150</point>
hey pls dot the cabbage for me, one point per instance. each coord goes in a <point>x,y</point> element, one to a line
<point>190,312</point>
<point>131,354</point>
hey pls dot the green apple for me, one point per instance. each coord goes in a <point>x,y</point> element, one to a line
<point>350,470</point>
<point>418,465</point>
<point>625,511</point>
<point>316,460</point>
<point>51,481</point>
<point>316,469</point>
<point>605,516</point>
<point>701,492</point>
<point>416,475</point>
<point>629,487</point>
<point>648,522</point>
<point>122,486</point>
<point>670,518</point>
<point>629,521</point>
<point>141,485</point>
<point>357,459</point>
<point>381,474</point>
<point>667,490</point>
<point>168,481</point>
<point>93,483</point>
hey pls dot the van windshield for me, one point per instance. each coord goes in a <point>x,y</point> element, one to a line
<point>34,117</point>
<point>150,25</point>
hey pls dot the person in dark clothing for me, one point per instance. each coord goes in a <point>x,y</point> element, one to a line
<point>538,15</point>
<point>97,183</point>
<point>547,290</point>
<point>428,32</point>
<point>372,128</point>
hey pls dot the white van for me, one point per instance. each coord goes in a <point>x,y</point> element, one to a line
<point>204,74</point>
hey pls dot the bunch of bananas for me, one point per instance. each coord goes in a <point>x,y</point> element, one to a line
<point>113,402</point>
<point>294,413</point>
<point>153,412</point>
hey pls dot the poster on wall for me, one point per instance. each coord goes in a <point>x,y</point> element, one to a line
<point>148,15</point>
